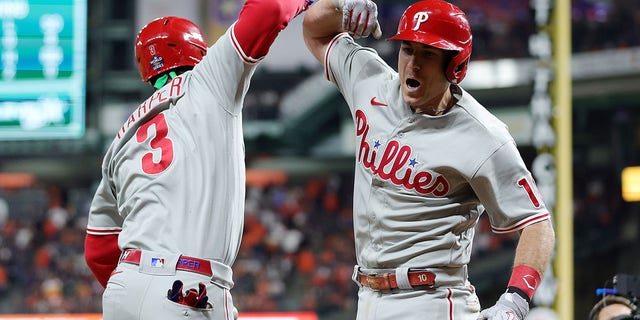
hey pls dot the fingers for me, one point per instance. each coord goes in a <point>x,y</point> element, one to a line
<point>377,32</point>
<point>360,18</point>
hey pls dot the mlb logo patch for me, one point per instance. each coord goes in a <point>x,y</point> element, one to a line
<point>157,262</point>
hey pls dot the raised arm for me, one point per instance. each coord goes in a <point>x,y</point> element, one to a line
<point>260,22</point>
<point>327,18</point>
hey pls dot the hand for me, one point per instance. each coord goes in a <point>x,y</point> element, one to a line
<point>510,306</point>
<point>359,17</point>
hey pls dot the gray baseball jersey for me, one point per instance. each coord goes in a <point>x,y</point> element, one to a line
<point>421,181</point>
<point>173,179</point>
<point>173,182</point>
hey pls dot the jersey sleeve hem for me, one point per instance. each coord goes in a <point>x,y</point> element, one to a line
<point>522,223</point>
<point>327,70</point>
<point>103,231</point>
<point>236,44</point>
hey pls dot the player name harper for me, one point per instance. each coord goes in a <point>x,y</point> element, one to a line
<point>394,159</point>
<point>169,93</point>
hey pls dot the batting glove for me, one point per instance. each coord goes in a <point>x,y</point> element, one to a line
<point>510,306</point>
<point>192,297</point>
<point>359,18</point>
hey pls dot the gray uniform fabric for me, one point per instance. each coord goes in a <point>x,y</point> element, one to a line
<point>173,182</point>
<point>421,183</point>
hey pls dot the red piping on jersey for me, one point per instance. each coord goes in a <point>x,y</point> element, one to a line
<point>259,23</point>
<point>450,301</point>
<point>521,224</point>
<point>239,50</point>
<point>103,231</point>
<point>326,54</point>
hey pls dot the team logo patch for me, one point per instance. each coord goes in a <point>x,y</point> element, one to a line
<point>420,18</point>
<point>157,262</point>
<point>156,63</point>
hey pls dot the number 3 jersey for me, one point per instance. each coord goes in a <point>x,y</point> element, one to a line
<point>173,179</point>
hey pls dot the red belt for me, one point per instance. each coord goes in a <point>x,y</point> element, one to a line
<point>185,263</point>
<point>387,281</point>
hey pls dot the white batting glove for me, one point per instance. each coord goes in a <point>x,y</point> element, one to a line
<point>510,306</point>
<point>359,18</point>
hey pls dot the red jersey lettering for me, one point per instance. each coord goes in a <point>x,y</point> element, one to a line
<point>396,164</point>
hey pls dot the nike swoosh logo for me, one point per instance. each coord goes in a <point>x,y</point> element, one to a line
<point>374,102</point>
<point>115,272</point>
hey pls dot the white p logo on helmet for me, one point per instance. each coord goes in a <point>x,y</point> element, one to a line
<point>420,18</point>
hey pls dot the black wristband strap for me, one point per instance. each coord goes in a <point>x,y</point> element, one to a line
<point>519,292</point>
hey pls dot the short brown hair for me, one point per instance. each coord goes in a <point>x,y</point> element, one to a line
<point>609,300</point>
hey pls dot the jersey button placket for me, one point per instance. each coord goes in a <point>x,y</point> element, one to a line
<point>377,184</point>
<point>376,202</point>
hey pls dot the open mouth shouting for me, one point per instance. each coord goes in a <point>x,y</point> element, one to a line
<point>412,84</point>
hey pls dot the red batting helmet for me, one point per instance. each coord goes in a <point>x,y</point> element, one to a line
<point>167,43</point>
<point>442,25</point>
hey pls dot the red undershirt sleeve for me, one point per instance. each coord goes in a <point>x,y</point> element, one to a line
<point>260,22</point>
<point>101,254</point>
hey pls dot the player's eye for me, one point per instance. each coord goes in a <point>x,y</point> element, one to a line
<point>407,50</point>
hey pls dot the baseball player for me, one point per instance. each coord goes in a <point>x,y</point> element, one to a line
<point>429,160</point>
<point>166,220</point>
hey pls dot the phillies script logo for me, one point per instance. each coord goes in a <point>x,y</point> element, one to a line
<point>395,164</point>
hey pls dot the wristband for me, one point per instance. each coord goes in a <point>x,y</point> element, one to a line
<point>519,292</point>
<point>525,279</point>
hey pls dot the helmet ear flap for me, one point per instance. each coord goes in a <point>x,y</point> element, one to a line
<point>442,25</point>
<point>456,70</point>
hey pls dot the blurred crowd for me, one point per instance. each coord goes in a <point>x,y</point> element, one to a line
<point>42,268</point>
<point>297,252</point>
<point>501,29</point>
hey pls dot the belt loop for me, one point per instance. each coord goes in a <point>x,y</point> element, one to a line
<point>356,275</point>
<point>222,275</point>
<point>402,278</point>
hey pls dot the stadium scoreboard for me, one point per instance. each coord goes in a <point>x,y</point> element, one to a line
<point>42,75</point>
